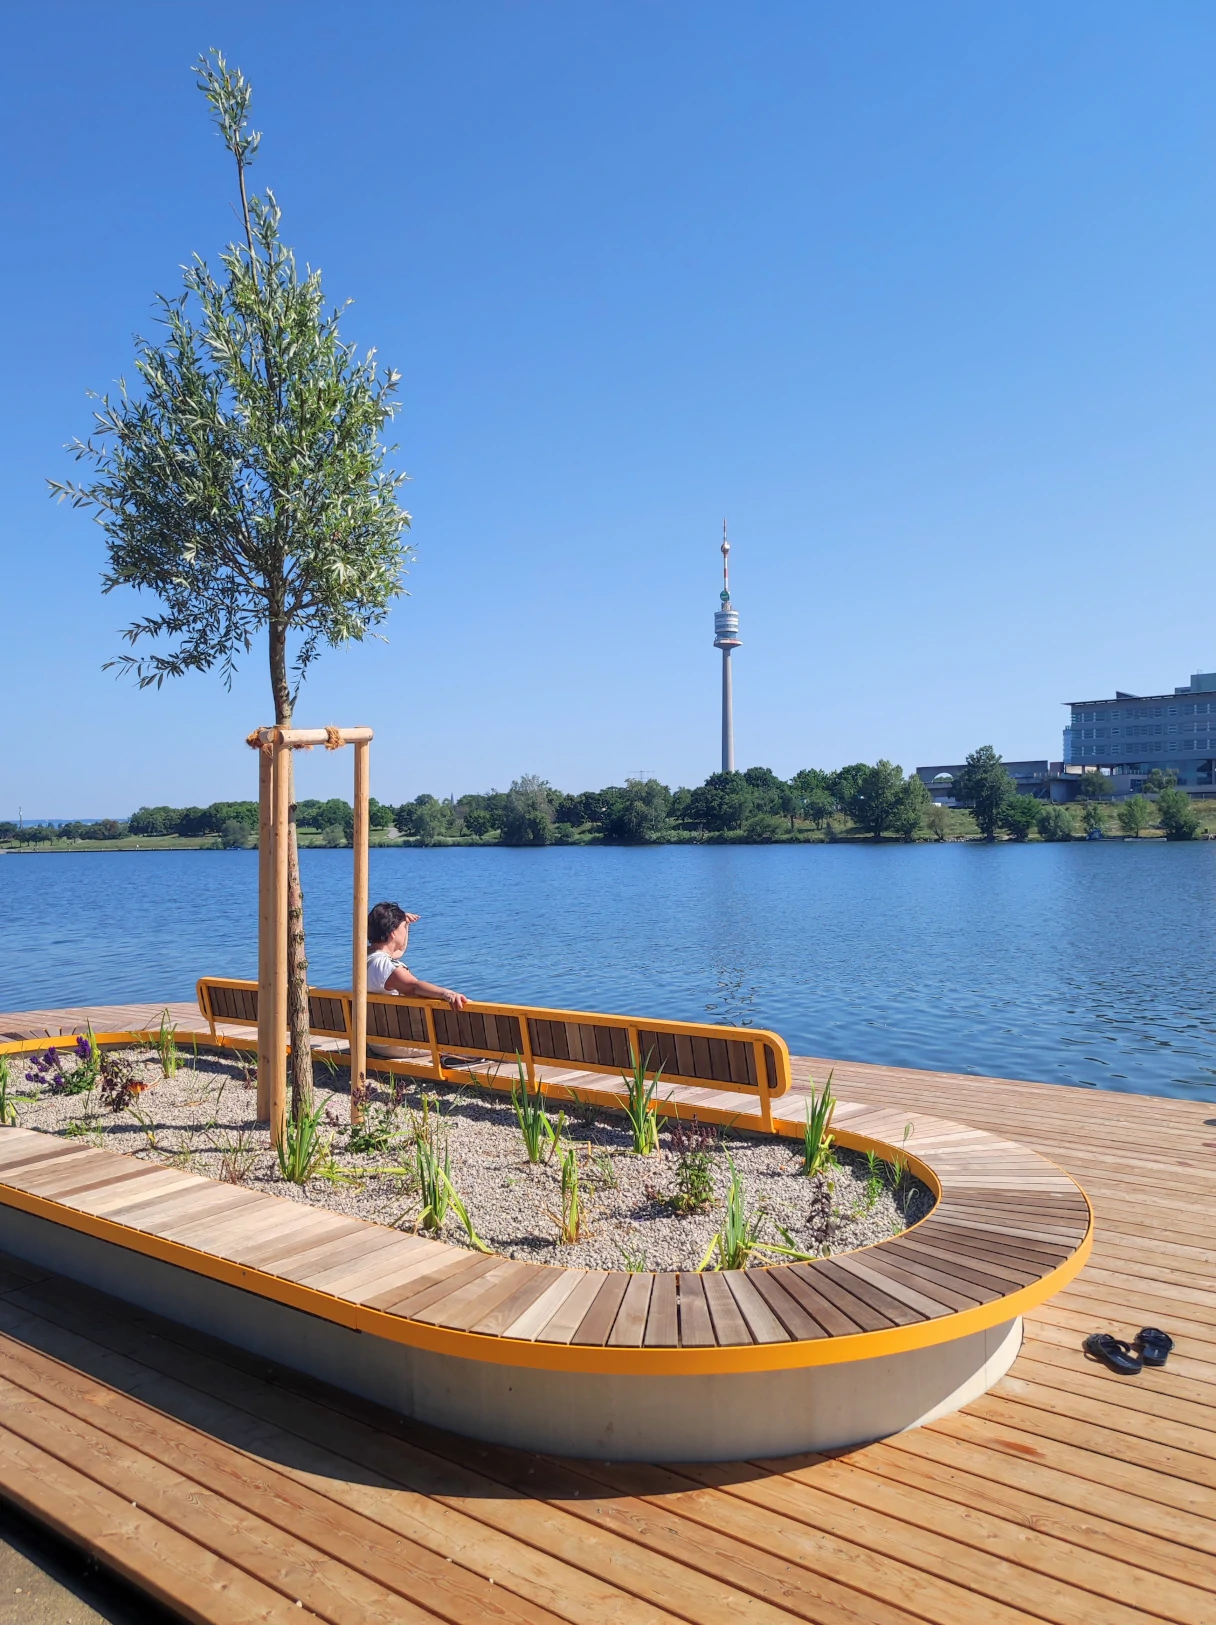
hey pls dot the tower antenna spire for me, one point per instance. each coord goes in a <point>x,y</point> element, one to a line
<point>726,638</point>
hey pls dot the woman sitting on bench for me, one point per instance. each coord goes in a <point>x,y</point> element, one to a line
<point>388,933</point>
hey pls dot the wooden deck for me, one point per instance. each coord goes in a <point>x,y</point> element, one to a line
<point>1065,1494</point>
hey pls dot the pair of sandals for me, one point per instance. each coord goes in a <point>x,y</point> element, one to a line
<point>1149,1347</point>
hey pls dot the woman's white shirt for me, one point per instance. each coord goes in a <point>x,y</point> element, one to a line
<point>380,966</point>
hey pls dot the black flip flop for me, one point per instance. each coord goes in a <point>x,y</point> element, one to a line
<point>1153,1346</point>
<point>1113,1353</point>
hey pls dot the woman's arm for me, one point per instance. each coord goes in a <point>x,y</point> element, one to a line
<point>402,982</point>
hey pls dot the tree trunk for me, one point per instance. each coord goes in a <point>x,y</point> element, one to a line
<point>297,958</point>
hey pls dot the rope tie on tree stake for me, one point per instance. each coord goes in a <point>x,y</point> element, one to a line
<point>256,742</point>
<point>333,738</point>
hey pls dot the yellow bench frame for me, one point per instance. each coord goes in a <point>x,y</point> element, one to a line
<point>696,1055</point>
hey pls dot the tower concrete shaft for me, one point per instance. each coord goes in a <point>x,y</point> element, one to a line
<point>726,638</point>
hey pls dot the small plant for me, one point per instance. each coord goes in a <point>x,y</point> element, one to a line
<point>237,1158</point>
<point>150,1132</point>
<point>118,1083</point>
<point>377,1132</point>
<point>693,1145</point>
<point>439,1194</point>
<point>47,1069</point>
<point>603,1170</point>
<point>8,1109</point>
<point>633,1256</point>
<point>303,1147</point>
<point>873,1191</point>
<point>535,1124</point>
<point>166,1047</point>
<point>570,1224</point>
<point>639,1106</point>
<point>740,1232</point>
<point>816,1135</point>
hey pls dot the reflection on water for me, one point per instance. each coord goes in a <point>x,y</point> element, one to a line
<point>1087,964</point>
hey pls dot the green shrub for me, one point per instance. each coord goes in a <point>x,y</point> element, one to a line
<point>1177,815</point>
<point>1055,823</point>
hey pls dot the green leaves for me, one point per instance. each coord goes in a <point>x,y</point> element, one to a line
<point>242,483</point>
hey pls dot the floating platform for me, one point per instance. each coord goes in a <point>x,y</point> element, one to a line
<point>1063,1494</point>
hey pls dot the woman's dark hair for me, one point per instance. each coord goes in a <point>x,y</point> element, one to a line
<point>383,921</point>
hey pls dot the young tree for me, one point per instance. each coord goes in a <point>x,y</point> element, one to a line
<point>1055,823</point>
<point>1093,817</point>
<point>529,814</point>
<point>1019,815</point>
<point>876,797</point>
<point>812,796</point>
<point>1161,778</point>
<point>1176,814</point>
<point>244,486</point>
<point>984,786</point>
<point>914,801</point>
<point>1093,786</point>
<point>937,818</point>
<point>1134,814</point>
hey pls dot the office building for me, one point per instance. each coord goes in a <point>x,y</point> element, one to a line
<point>1129,735</point>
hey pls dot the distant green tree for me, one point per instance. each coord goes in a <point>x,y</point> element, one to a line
<point>1094,786</point>
<point>154,821</point>
<point>910,810</point>
<point>475,817</point>
<point>529,814</point>
<point>876,798</point>
<point>378,815</point>
<point>938,820</point>
<point>642,812</point>
<point>426,818</point>
<point>234,834</point>
<point>1056,823</point>
<point>1134,814</point>
<point>681,802</point>
<point>1161,778</point>
<point>1093,817</point>
<point>1019,815</point>
<point>722,802</point>
<point>844,782</point>
<point>812,796</point>
<point>1177,815</point>
<point>767,790</point>
<point>984,786</point>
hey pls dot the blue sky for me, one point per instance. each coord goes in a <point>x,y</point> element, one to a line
<point>918,296</point>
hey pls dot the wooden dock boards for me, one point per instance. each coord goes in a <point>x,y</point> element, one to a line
<point>257,1488</point>
<point>1065,1495</point>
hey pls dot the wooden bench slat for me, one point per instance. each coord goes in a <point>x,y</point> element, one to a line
<point>569,1314</point>
<point>797,1323</point>
<point>696,1325</point>
<point>729,1324</point>
<point>596,1324</point>
<point>663,1319</point>
<point>762,1323</point>
<point>629,1327</point>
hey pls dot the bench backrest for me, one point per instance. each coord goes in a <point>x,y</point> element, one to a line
<point>697,1054</point>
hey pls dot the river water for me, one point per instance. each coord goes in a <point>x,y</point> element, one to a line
<point>1088,964</point>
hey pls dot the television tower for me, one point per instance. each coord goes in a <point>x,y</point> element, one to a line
<point>726,638</point>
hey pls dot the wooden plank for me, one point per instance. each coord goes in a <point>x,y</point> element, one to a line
<point>629,1327</point>
<point>729,1324</point>
<point>663,1320</point>
<point>597,1323</point>
<point>793,1317</point>
<point>762,1323</point>
<point>696,1323</point>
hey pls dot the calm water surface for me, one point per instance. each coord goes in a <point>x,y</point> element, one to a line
<point>1079,964</point>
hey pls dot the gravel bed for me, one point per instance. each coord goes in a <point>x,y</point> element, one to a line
<point>202,1118</point>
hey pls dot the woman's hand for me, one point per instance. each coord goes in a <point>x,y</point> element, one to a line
<point>456,1000</point>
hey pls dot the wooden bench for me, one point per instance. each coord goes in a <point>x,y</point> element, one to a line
<point>565,1053</point>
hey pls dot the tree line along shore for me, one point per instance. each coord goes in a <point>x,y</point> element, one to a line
<point>861,802</point>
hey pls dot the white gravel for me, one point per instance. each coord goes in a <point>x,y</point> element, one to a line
<point>202,1118</point>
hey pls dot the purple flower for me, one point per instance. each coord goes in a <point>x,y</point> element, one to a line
<point>83,1048</point>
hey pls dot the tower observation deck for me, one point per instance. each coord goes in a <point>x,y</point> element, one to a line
<point>726,638</point>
